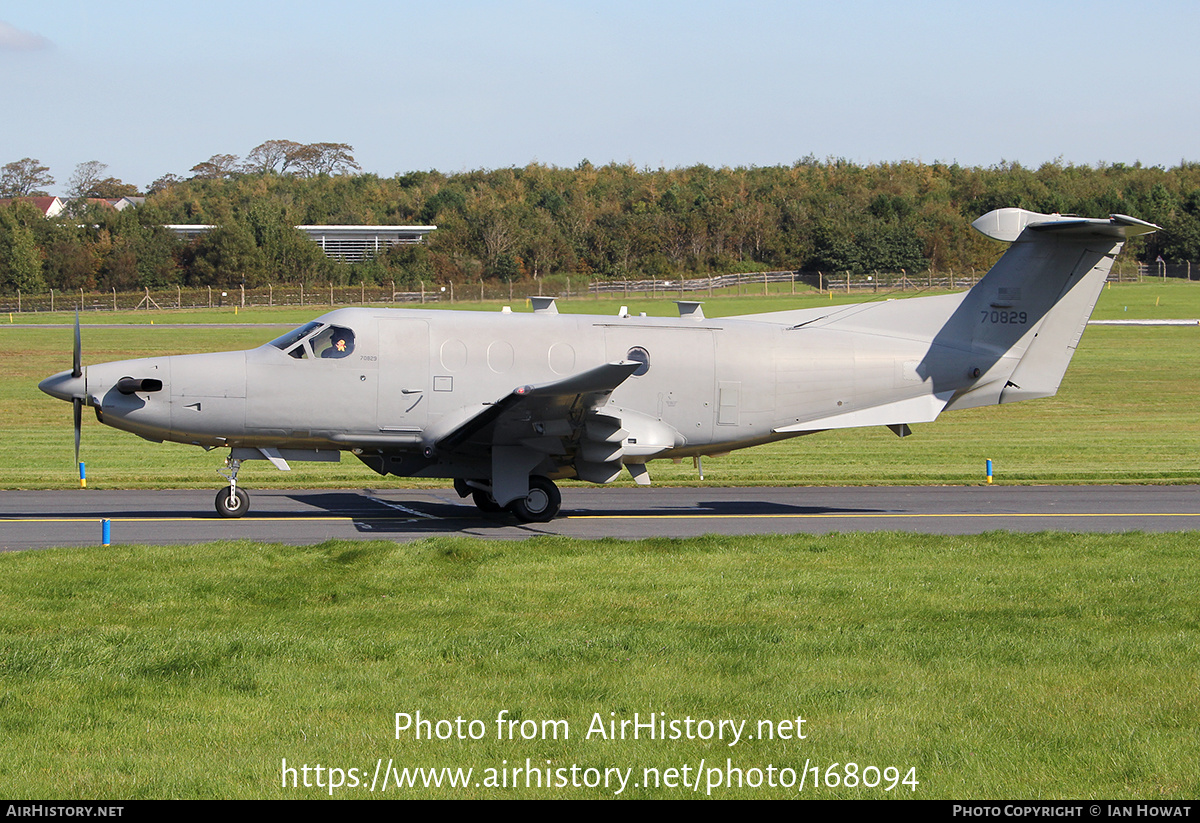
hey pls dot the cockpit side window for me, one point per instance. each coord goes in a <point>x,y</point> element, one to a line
<point>330,342</point>
<point>333,342</point>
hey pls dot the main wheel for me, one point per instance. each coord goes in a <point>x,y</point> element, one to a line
<point>540,505</point>
<point>485,502</point>
<point>239,505</point>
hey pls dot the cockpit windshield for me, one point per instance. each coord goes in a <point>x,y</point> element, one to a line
<point>316,340</point>
<point>295,335</point>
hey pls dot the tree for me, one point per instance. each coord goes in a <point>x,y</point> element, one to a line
<point>224,256</point>
<point>23,178</point>
<point>1181,240</point>
<point>273,156</point>
<point>110,188</point>
<point>217,167</point>
<point>85,177</point>
<point>70,264</point>
<point>20,257</point>
<point>287,253</point>
<point>305,160</point>
<point>87,182</point>
<point>165,182</point>
<point>325,158</point>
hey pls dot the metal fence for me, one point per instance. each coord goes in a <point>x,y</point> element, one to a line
<point>562,286</point>
<point>214,297</point>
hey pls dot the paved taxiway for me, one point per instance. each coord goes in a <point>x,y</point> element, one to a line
<point>37,519</point>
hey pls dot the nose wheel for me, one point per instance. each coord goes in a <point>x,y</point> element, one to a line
<point>232,501</point>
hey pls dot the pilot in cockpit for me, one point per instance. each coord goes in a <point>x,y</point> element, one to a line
<point>331,342</point>
<point>334,342</point>
<point>340,344</point>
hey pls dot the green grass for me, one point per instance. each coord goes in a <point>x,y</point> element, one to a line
<point>996,666</point>
<point>1126,412</point>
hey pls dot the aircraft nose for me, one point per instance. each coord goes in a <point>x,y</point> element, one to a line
<point>64,386</point>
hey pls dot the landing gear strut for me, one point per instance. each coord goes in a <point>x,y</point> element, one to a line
<point>232,502</point>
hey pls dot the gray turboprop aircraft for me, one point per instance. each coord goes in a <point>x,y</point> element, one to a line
<point>505,404</point>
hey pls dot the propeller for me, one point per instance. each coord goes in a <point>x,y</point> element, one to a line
<point>77,371</point>
<point>71,386</point>
<point>77,403</point>
<point>76,356</point>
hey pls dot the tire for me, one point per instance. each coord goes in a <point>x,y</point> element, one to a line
<point>542,503</point>
<point>241,503</point>
<point>485,502</point>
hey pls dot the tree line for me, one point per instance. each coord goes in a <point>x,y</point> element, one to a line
<point>614,221</point>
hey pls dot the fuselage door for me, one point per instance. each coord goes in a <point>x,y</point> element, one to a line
<point>403,375</point>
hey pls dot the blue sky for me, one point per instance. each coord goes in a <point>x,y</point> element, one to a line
<point>153,88</point>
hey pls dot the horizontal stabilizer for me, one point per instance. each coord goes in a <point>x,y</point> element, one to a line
<point>1007,225</point>
<point>923,409</point>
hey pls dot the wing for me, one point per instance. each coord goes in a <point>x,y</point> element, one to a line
<point>550,428</point>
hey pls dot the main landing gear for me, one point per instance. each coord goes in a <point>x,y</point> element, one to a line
<point>541,505</point>
<point>232,501</point>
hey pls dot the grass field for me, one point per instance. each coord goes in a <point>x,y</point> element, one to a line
<point>1126,412</point>
<point>995,666</point>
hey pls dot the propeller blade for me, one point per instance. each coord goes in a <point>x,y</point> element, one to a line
<point>76,354</point>
<point>77,403</point>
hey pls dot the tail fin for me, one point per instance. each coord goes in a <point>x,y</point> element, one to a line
<point>1035,302</point>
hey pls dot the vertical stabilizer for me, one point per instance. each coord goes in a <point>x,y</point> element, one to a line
<point>1036,301</point>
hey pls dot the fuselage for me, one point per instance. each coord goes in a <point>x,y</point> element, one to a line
<point>713,384</point>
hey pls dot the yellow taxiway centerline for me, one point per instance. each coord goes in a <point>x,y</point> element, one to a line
<point>673,516</point>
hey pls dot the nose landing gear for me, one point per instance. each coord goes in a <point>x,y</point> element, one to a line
<point>232,501</point>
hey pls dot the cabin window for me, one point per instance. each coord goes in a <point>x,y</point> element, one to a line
<point>640,355</point>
